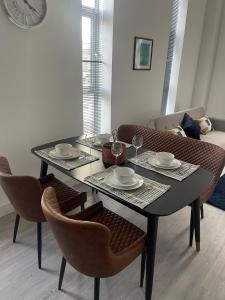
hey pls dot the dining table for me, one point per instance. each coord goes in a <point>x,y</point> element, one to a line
<point>180,195</point>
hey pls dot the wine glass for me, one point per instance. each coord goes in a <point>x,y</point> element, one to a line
<point>117,149</point>
<point>137,142</point>
<point>90,138</point>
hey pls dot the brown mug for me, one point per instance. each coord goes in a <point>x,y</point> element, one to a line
<point>108,157</point>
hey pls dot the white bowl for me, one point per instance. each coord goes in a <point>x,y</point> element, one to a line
<point>164,158</point>
<point>63,149</point>
<point>124,174</point>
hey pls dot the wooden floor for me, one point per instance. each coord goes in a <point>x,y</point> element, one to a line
<point>180,273</point>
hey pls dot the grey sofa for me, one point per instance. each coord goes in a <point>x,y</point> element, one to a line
<point>216,136</point>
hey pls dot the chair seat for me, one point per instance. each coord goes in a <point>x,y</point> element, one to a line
<point>68,198</point>
<point>123,233</point>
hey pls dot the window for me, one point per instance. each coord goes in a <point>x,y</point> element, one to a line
<point>92,65</point>
<point>174,53</point>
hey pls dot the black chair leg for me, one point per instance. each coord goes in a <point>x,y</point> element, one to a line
<point>202,212</point>
<point>97,289</point>
<point>191,228</point>
<point>143,259</point>
<point>39,243</point>
<point>82,207</point>
<point>61,275</point>
<point>17,221</point>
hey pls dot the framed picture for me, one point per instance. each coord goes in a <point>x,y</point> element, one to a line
<point>142,53</point>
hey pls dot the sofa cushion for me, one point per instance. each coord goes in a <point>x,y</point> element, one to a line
<point>205,124</point>
<point>173,120</point>
<point>177,131</point>
<point>215,137</point>
<point>191,127</point>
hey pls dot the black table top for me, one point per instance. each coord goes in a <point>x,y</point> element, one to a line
<point>180,194</point>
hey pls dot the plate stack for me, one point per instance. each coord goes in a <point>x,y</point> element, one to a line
<point>123,178</point>
<point>64,151</point>
<point>164,160</point>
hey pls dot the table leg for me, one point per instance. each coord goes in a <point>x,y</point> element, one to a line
<point>192,228</point>
<point>44,168</point>
<point>196,213</point>
<point>151,239</point>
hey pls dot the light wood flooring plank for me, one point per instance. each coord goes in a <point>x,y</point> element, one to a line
<point>180,272</point>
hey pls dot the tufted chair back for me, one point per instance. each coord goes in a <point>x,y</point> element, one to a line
<point>86,243</point>
<point>210,157</point>
<point>24,193</point>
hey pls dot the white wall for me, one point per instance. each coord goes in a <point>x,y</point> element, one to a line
<point>209,89</point>
<point>216,95</point>
<point>40,84</point>
<point>137,95</point>
<point>190,54</point>
<point>208,51</point>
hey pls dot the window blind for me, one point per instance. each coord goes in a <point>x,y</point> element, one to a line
<point>92,65</point>
<point>170,52</point>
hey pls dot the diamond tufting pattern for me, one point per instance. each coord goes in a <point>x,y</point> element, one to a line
<point>95,241</point>
<point>68,198</point>
<point>123,233</point>
<point>208,156</point>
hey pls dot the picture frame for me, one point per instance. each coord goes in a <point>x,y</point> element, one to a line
<point>142,59</point>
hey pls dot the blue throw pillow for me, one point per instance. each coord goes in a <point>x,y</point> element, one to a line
<point>190,127</point>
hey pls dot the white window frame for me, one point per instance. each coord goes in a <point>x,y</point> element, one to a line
<point>92,121</point>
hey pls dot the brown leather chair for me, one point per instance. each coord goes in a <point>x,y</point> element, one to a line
<point>24,193</point>
<point>208,156</point>
<point>96,241</point>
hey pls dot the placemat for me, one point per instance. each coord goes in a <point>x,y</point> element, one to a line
<point>70,164</point>
<point>185,170</point>
<point>88,141</point>
<point>141,197</point>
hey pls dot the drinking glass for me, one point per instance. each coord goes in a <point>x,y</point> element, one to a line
<point>117,149</point>
<point>91,140</point>
<point>137,142</point>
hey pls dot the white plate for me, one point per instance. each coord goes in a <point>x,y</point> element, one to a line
<point>111,181</point>
<point>155,163</point>
<point>74,154</point>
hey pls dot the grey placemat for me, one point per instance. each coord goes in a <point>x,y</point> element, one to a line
<point>87,141</point>
<point>185,170</point>
<point>141,197</point>
<point>70,164</point>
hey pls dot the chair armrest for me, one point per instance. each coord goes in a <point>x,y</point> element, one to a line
<point>218,124</point>
<point>87,213</point>
<point>47,178</point>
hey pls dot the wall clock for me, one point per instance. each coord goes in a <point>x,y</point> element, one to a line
<point>26,13</point>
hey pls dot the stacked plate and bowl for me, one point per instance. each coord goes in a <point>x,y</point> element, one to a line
<point>64,151</point>
<point>164,160</point>
<point>124,178</point>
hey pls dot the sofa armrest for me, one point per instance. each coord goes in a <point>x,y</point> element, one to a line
<point>218,124</point>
